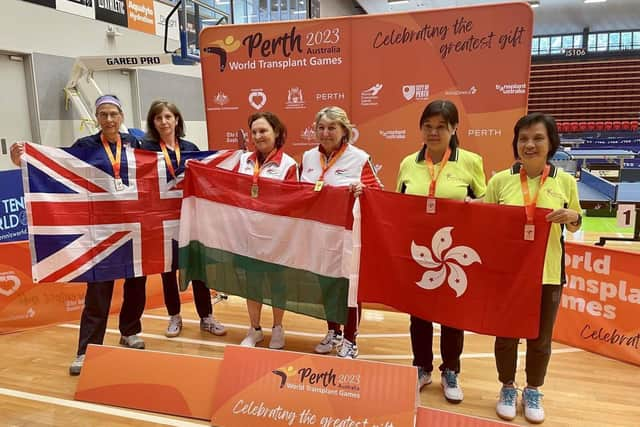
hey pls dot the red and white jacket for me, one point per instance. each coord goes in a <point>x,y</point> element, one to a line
<point>353,166</point>
<point>280,167</point>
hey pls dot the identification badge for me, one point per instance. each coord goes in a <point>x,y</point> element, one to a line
<point>318,186</point>
<point>529,232</point>
<point>254,190</point>
<point>119,184</point>
<point>431,205</point>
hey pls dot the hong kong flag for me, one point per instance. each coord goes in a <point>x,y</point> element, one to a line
<point>467,266</point>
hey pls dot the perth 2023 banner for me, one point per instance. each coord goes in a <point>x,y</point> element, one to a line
<point>382,69</point>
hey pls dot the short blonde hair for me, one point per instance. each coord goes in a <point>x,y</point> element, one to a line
<point>336,114</point>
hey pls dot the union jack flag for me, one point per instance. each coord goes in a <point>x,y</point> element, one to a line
<point>81,229</point>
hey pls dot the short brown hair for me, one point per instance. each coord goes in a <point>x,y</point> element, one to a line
<point>276,124</point>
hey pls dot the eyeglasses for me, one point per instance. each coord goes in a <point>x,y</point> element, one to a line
<point>112,115</point>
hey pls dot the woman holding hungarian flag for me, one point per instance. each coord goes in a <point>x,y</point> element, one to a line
<point>268,135</point>
<point>534,182</point>
<point>337,162</point>
<point>440,170</point>
<point>165,129</point>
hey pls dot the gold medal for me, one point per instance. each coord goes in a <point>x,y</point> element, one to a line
<point>318,186</point>
<point>254,190</point>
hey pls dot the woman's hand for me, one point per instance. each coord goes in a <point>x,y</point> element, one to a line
<point>356,188</point>
<point>16,150</point>
<point>563,216</point>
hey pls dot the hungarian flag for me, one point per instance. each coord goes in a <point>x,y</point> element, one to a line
<point>466,266</point>
<point>289,247</point>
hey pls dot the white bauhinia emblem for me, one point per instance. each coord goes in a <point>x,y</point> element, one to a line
<point>437,263</point>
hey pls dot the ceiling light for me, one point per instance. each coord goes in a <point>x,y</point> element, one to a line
<point>534,3</point>
<point>594,1</point>
<point>398,1</point>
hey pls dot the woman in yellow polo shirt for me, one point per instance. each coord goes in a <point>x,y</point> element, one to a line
<point>534,179</point>
<point>440,169</point>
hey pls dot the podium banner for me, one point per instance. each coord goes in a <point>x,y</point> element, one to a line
<point>600,304</point>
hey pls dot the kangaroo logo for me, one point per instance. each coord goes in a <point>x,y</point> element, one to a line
<point>437,264</point>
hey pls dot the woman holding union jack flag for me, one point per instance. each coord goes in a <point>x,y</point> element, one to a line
<point>110,142</point>
<point>165,129</point>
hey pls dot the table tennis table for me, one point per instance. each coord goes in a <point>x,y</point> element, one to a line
<point>595,192</point>
<point>607,155</point>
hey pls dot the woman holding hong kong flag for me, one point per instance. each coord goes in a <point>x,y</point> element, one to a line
<point>440,169</point>
<point>338,163</point>
<point>533,182</point>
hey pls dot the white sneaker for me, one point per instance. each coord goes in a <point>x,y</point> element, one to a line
<point>132,341</point>
<point>76,365</point>
<point>348,350</point>
<point>424,378</point>
<point>209,324</point>
<point>175,326</point>
<point>532,405</point>
<point>506,407</point>
<point>329,342</point>
<point>277,338</point>
<point>253,337</point>
<point>450,387</point>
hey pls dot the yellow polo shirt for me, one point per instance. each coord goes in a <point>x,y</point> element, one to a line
<point>463,175</point>
<point>559,191</point>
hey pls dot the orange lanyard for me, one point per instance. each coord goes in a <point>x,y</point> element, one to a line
<point>115,161</point>
<point>529,203</point>
<point>332,160</point>
<point>431,169</point>
<point>257,168</point>
<point>167,159</point>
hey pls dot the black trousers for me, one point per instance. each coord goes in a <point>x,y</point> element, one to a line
<point>201,295</point>
<point>538,350</point>
<point>451,344</point>
<point>97,302</point>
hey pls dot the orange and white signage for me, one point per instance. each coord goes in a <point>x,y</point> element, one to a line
<point>383,70</point>
<point>277,388</point>
<point>25,305</point>
<point>600,304</point>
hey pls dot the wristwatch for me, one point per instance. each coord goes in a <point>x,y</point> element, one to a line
<point>578,221</point>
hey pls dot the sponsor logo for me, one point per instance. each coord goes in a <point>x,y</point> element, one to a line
<point>420,92</point>
<point>341,171</point>
<point>308,134</point>
<point>370,96</point>
<point>484,132</point>
<point>457,92</point>
<point>310,380</point>
<point>512,88</point>
<point>393,134</point>
<point>443,263</point>
<point>257,98</point>
<point>330,96</point>
<point>222,100</point>
<point>295,99</point>
<point>9,283</point>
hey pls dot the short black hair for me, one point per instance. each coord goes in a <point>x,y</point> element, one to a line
<point>448,111</point>
<point>532,119</point>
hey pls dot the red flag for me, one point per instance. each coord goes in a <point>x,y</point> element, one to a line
<point>467,266</point>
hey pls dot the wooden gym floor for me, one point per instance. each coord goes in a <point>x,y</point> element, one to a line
<point>582,389</point>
